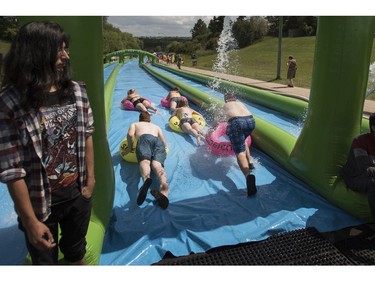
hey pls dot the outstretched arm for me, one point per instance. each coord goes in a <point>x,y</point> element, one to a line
<point>130,138</point>
<point>88,189</point>
<point>173,114</point>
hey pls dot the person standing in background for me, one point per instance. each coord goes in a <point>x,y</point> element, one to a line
<point>292,69</point>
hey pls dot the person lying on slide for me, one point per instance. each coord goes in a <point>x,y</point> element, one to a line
<point>139,102</point>
<point>241,124</point>
<point>187,123</point>
<point>151,154</point>
<point>174,97</point>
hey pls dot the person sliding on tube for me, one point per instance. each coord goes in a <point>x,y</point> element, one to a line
<point>241,124</point>
<point>139,103</point>
<point>174,97</point>
<point>187,123</point>
<point>151,154</point>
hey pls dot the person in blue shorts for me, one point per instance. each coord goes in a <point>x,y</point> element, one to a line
<point>241,124</point>
<point>151,154</point>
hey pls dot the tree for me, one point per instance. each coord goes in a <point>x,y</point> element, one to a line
<point>114,39</point>
<point>200,29</point>
<point>246,30</point>
<point>216,26</point>
<point>293,25</point>
<point>8,28</point>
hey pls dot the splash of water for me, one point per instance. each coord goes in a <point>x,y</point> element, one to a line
<point>371,80</point>
<point>226,61</point>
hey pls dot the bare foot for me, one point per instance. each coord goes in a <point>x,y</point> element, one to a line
<point>164,189</point>
<point>199,140</point>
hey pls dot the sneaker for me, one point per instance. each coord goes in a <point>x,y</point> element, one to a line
<point>250,184</point>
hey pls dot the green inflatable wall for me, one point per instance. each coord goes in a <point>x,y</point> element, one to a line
<point>334,113</point>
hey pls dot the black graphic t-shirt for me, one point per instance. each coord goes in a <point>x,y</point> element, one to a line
<point>59,136</point>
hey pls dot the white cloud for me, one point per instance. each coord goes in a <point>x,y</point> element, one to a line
<point>157,25</point>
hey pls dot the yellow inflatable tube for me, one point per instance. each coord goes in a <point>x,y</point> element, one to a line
<point>131,156</point>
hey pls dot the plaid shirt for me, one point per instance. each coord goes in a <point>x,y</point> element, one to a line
<point>21,146</point>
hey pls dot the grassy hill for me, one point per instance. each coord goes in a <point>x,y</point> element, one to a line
<point>259,61</point>
<point>4,47</point>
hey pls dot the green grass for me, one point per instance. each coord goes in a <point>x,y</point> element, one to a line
<point>4,47</point>
<point>259,61</point>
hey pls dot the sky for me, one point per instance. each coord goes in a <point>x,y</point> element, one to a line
<point>173,18</point>
<point>157,25</point>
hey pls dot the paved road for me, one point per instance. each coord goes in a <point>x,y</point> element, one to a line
<point>297,92</point>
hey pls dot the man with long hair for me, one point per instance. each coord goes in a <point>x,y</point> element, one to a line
<point>46,146</point>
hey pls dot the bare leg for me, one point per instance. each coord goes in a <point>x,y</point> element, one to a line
<point>145,170</point>
<point>187,128</point>
<point>173,106</point>
<point>248,156</point>
<point>149,105</point>
<point>243,163</point>
<point>141,107</point>
<point>162,195</point>
<point>199,129</point>
<point>250,179</point>
<point>161,175</point>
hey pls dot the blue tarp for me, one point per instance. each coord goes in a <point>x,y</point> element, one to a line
<point>208,202</point>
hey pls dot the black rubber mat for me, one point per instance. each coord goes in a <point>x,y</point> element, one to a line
<point>299,247</point>
<point>360,250</point>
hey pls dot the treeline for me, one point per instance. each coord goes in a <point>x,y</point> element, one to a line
<point>113,38</point>
<point>246,30</point>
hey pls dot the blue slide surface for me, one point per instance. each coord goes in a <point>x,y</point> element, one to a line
<point>208,202</point>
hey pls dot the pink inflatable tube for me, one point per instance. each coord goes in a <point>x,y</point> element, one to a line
<point>218,146</point>
<point>166,103</point>
<point>127,105</point>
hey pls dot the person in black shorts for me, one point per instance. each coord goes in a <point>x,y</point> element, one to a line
<point>187,123</point>
<point>151,154</point>
<point>139,102</point>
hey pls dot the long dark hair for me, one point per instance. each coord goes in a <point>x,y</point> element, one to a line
<point>30,65</point>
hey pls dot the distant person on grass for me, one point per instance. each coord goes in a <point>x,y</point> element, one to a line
<point>292,69</point>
